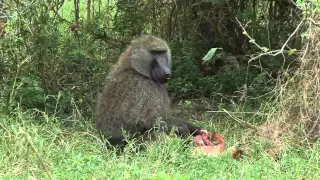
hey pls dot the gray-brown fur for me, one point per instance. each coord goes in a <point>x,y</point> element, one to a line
<point>131,100</point>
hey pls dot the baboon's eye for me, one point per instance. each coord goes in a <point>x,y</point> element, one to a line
<point>158,52</point>
<point>160,55</point>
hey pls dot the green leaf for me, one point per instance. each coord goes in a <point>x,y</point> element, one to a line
<point>292,51</point>
<point>265,49</point>
<point>187,102</point>
<point>210,54</point>
<point>299,2</point>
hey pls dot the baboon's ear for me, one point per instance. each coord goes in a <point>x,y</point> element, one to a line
<point>141,61</point>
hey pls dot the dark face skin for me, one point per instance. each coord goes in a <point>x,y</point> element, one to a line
<point>160,71</point>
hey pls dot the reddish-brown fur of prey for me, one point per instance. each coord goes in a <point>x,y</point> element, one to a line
<point>211,144</point>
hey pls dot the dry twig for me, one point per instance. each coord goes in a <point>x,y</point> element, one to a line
<point>28,138</point>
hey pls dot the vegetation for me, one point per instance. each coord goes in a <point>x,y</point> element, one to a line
<point>74,153</point>
<point>246,69</point>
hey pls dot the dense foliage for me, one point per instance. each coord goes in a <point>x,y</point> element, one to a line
<point>51,63</point>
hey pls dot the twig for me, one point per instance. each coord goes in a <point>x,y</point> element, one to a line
<point>281,51</point>
<point>271,53</point>
<point>236,112</point>
<point>241,122</point>
<point>313,22</point>
<point>93,136</point>
<point>246,34</point>
<point>5,128</point>
<point>289,38</point>
<point>28,138</point>
<point>56,13</point>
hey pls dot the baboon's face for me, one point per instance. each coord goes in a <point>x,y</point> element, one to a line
<point>160,70</point>
<point>151,57</point>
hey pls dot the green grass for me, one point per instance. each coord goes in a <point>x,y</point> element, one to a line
<point>71,151</point>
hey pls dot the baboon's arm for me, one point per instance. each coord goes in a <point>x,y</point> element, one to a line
<point>117,140</point>
<point>182,127</point>
<point>194,130</point>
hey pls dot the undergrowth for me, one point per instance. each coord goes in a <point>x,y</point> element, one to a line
<point>295,117</point>
<point>74,152</point>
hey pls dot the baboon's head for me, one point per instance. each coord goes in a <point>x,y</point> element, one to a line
<point>151,57</point>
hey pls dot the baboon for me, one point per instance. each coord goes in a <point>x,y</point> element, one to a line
<point>135,94</point>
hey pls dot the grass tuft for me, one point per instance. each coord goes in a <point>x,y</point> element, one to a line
<point>74,152</point>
